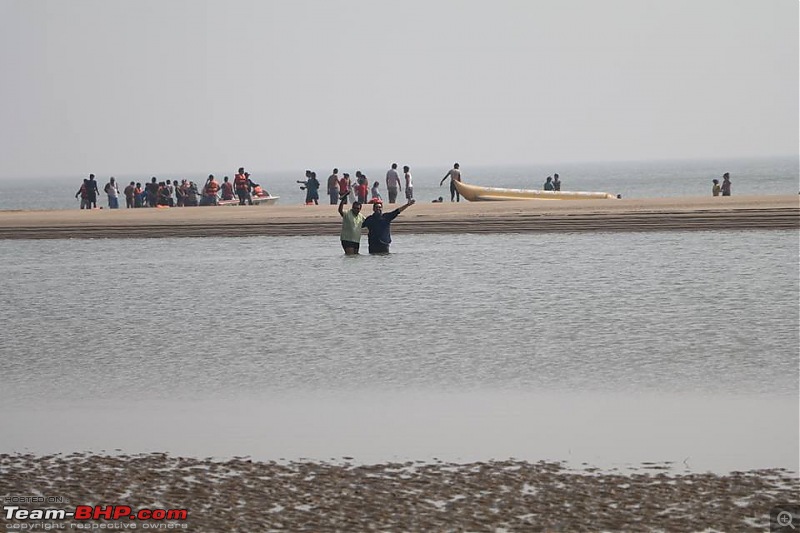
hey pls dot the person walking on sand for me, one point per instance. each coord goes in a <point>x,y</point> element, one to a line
<point>333,186</point>
<point>715,188</point>
<point>455,176</point>
<point>352,220</point>
<point>556,183</point>
<point>379,226</point>
<point>409,183</point>
<point>393,183</point>
<point>726,184</point>
<point>311,185</point>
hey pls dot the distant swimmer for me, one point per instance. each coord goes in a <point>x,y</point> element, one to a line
<point>556,183</point>
<point>393,183</point>
<point>715,188</point>
<point>455,175</point>
<point>352,220</point>
<point>379,226</point>
<point>548,184</point>
<point>726,184</point>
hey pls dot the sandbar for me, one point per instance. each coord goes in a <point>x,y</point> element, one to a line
<point>655,214</point>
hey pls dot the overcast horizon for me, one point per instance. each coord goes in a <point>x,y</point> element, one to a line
<point>145,87</point>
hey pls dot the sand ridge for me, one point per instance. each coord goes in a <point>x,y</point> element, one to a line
<point>659,214</point>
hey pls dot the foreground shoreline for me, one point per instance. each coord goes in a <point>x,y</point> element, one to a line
<point>657,214</point>
<point>245,495</point>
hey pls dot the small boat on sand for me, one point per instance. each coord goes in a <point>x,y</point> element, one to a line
<point>476,193</point>
<point>257,200</point>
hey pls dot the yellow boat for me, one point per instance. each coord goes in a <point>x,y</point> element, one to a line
<point>475,193</point>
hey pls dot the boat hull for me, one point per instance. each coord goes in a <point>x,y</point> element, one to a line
<point>475,193</point>
<point>257,200</point>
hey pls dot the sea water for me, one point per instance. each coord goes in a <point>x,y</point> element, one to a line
<point>634,179</point>
<point>610,349</point>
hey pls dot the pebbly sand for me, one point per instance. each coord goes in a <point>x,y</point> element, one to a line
<point>245,495</point>
<point>661,214</point>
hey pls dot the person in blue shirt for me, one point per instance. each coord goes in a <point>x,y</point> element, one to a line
<point>378,224</point>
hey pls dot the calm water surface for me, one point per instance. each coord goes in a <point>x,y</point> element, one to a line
<point>610,348</point>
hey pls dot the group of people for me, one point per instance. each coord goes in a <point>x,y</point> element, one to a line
<point>378,225</point>
<point>359,190</point>
<point>552,183</point>
<point>724,189</point>
<point>170,193</point>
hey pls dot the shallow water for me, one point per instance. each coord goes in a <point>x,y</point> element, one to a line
<point>610,348</point>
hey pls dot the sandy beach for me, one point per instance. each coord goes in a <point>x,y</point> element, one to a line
<point>661,214</point>
<point>245,495</point>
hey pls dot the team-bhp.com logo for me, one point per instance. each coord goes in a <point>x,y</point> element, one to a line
<point>96,512</point>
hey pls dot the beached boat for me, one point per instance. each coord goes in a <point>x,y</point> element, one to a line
<point>257,200</point>
<point>476,193</point>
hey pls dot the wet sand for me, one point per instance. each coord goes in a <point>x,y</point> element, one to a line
<point>659,214</point>
<point>245,495</point>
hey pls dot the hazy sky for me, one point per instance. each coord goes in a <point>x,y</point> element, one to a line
<point>149,86</point>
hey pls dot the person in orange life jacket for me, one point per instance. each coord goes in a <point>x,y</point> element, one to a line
<point>210,191</point>
<point>240,184</point>
<point>227,189</point>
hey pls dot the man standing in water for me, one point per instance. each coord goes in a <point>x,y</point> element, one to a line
<point>455,175</point>
<point>352,221</point>
<point>379,224</point>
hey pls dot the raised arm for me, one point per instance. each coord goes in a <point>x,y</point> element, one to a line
<point>342,198</point>
<point>406,206</point>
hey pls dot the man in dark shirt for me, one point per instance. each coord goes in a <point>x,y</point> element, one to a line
<point>379,224</point>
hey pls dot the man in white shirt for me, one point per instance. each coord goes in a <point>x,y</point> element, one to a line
<point>393,183</point>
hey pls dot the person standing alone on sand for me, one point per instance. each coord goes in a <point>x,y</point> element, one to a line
<point>455,175</point>
<point>352,221</point>
<point>393,183</point>
<point>378,224</point>
<point>726,184</point>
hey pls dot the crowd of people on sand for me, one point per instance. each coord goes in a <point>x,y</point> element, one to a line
<point>358,189</point>
<point>170,193</point>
